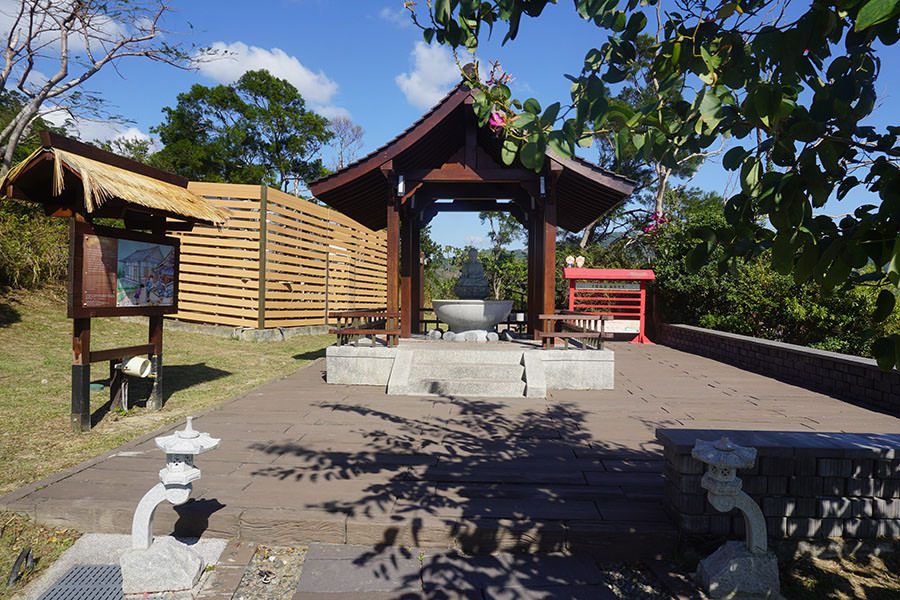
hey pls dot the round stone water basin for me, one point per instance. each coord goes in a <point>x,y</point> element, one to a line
<point>466,315</point>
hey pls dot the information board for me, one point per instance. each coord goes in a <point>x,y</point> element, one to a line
<point>117,272</point>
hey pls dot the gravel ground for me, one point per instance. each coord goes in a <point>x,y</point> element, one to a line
<point>274,573</point>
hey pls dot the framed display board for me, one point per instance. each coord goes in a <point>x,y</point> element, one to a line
<point>114,272</point>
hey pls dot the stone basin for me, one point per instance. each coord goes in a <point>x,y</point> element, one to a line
<point>466,315</point>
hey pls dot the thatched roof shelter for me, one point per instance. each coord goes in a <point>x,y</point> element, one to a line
<point>69,178</point>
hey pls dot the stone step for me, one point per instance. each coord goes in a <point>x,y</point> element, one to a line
<point>468,353</point>
<point>466,371</point>
<point>489,388</point>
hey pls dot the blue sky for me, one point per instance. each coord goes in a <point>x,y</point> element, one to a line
<point>364,59</point>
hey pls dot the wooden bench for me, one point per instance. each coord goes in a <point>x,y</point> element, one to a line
<point>574,325</point>
<point>355,324</point>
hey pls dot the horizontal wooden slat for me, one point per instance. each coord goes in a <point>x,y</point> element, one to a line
<point>225,190</point>
<point>315,258</point>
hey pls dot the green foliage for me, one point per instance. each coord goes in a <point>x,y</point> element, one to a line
<point>255,130</point>
<point>752,299</point>
<point>797,90</point>
<point>138,149</point>
<point>33,247</point>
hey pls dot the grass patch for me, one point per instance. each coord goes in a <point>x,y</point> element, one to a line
<point>35,382</point>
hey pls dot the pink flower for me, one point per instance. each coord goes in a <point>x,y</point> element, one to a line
<point>497,119</point>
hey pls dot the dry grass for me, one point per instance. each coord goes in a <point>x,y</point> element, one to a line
<point>842,578</point>
<point>18,533</point>
<point>35,382</point>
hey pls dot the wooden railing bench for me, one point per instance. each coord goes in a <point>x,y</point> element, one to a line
<point>355,324</point>
<point>572,325</point>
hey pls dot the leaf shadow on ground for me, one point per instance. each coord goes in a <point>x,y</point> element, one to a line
<point>482,473</point>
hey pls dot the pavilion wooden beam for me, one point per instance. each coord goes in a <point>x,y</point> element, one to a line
<point>456,173</point>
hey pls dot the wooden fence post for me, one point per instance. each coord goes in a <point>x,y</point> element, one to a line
<point>263,216</point>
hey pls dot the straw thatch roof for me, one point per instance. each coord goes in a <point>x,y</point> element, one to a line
<point>103,185</point>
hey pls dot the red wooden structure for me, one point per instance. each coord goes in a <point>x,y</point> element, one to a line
<point>446,162</point>
<point>620,293</point>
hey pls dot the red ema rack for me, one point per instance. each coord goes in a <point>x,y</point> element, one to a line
<point>621,293</point>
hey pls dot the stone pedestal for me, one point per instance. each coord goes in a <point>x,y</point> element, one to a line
<point>732,571</point>
<point>166,566</point>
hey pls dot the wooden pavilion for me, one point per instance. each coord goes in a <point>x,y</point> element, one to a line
<point>445,162</point>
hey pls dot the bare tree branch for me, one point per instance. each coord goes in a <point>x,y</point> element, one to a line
<point>80,37</point>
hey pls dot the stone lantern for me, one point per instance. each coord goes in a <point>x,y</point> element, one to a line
<point>747,570</point>
<point>166,564</point>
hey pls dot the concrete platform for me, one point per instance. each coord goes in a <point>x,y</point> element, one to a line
<point>302,461</point>
<point>421,367</point>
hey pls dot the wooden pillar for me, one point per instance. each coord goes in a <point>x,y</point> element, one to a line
<point>155,337</point>
<point>393,254</point>
<point>407,231</point>
<point>80,418</point>
<point>420,289</point>
<point>536,304</point>
<point>263,247</point>
<point>415,266</point>
<point>548,256</point>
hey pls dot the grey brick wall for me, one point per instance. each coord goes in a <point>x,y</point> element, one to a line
<point>850,378</point>
<point>810,485</point>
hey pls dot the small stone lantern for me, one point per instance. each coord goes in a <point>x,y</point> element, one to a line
<point>166,564</point>
<point>747,569</point>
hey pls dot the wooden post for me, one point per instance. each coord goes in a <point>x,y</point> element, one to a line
<point>80,417</point>
<point>263,217</point>
<point>155,337</point>
<point>327,277</point>
<point>393,253</point>
<point>407,229</point>
<point>548,257</point>
<point>420,288</point>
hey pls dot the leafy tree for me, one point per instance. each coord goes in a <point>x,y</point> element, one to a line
<point>139,149</point>
<point>255,130</point>
<point>54,46</point>
<point>506,269</point>
<point>795,88</point>
<point>619,153</point>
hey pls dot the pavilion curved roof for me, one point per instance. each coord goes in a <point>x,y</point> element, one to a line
<point>360,190</point>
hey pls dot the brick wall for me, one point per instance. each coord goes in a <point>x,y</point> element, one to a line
<point>810,485</point>
<point>849,378</point>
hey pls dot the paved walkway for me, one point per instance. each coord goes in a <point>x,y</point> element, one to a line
<point>302,461</point>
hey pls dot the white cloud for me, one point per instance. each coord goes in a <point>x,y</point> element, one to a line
<point>237,58</point>
<point>90,130</point>
<point>398,17</point>
<point>476,241</point>
<point>434,73</point>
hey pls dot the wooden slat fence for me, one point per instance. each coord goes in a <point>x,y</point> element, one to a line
<point>279,261</point>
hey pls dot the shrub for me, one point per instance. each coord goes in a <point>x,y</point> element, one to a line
<point>33,247</point>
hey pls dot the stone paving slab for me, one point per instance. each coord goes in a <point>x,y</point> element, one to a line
<point>302,461</point>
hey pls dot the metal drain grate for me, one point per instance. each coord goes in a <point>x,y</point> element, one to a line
<point>88,582</point>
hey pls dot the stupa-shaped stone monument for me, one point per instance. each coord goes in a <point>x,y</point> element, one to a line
<point>471,318</point>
